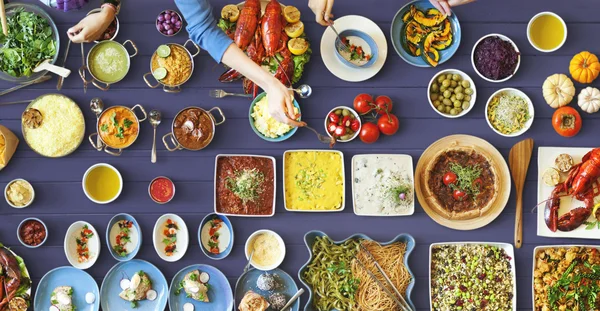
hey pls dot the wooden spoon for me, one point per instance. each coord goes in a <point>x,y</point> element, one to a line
<point>518,160</point>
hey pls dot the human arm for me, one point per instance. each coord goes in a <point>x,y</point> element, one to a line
<point>93,26</point>
<point>445,5</point>
<point>322,10</point>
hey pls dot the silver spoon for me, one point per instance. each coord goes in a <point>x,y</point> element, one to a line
<point>247,267</point>
<point>304,91</point>
<point>293,299</point>
<point>155,118</point>
<point>97,106</point>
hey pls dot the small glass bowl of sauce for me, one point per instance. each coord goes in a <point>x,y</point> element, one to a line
<point>161,190</point>
<point>32,232</point>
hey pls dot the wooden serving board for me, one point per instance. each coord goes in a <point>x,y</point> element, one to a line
<point>497,161</point>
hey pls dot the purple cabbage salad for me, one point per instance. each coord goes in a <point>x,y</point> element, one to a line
<point>495,58</point>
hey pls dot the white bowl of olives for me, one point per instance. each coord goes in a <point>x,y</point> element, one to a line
<point>451,93</point>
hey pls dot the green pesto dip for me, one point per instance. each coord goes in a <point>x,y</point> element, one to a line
<point>108,62</point>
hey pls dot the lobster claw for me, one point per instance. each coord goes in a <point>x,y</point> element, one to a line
<point>573,219</point>
<point>230,76</point>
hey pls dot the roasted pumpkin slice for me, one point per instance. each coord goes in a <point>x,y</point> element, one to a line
<point>414,32</point>
<point>429,20</point>
<point>446,28</point>
<point>442,43</point>
<point>410,47</point>
<point>430,54</point>
<point>414,50</point>
<point>407,16</point>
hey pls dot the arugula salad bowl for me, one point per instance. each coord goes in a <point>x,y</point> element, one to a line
<point>13,8</point>
<point>309,240</point>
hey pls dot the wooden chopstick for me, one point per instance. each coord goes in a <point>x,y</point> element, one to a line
<point>3,18</point>
<point>387,278</point>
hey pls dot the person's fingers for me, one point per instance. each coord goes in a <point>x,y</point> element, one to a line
<point>328,8</point>
<point>289,108</point>
<point>295,123</point>
<point>80,37</point>
<point>73,31</point>
<point>446,6</point>
<point>437,5</point>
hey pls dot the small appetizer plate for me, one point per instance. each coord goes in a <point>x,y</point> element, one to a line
<point>220,296</point>
<point>177,231</point>
<point>250,242</point>
<point>81,283</point>
<point>225,238</point>
<point>285,285</point>
<point>111,288</point>
<point>360,39</point>
<point>76,232</point>
<point>134,234</point>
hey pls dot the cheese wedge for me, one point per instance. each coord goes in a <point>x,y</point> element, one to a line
<point>8,145</point>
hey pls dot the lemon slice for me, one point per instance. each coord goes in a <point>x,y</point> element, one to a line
<point>294,30</point>
<point>298,46</point>
<point>551,177</point>
<point>159,73</point>
<point>163,51</point>
<point>230,12</point>
<point>291,14</point>
<point>595,211</point>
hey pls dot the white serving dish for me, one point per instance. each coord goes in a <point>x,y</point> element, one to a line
<point>505,38</point>
<point>281,243</point>
<point>6,193</point>
<point>274,183</point>
<point>343,180</point>
<point>465,77</point>
<point>546,157</point>
<point>404,161</point>
<point>85,175</point>
<point>529,105</point>
<point>544,247</point>
<point>531,23</point>
<point>183,238</point>
<point>70,245</point>
<point>508,248</point>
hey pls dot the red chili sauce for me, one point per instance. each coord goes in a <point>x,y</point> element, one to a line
<point>162,190</point>
<point>32,233</point>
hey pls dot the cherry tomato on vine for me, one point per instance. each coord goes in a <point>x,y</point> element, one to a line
<point>449,178</point>
<point>369,133</point>
<point>388,124</point>
<point>384,104</point>
<point>363,103</point>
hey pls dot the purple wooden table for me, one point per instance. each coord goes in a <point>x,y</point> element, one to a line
<point>60,200</point>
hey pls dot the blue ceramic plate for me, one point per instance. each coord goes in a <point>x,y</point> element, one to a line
<point>278,139</point>
<point>368,41</point>
<point>110,290</point>
<point>397,25</point>
<point>81,282</point>
<point>109,242</point>
<point>219,294</point>
<point>227,224</point>
<point>247,282</point>
<point>309,240</point>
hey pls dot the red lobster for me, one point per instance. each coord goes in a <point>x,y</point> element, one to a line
<point>247,23</point>
<point>11,280</point>
<point>582,184</point>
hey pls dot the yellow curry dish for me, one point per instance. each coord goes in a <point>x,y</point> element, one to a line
<point>118,127</point>
<point>176,61</point>
<point>314,180</point>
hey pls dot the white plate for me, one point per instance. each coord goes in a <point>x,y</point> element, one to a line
<point>183,238</point>
<point>274,183</point>
<point>542,248</point>
<point>546,157</point>
<point>339,69</point>
<point>70,245</point>
<point>402,162</point>
<point>508,248</point>
<point>343,184</point>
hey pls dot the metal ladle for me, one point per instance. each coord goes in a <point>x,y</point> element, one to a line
<point>304,91</point>
<point>97,106</point>
<point>155,118</point>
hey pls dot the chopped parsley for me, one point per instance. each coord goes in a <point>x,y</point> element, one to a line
<point>170,241</point>
<point>350,285</point>
<point>104,128</point>
<point>113,119</point>
<point>179,288</point>
<point>127,123</point>
<point>246,184</point>
<point>466,177</point>
<point>194,277</point>
<point>120,132</point>
<point>134,304</point>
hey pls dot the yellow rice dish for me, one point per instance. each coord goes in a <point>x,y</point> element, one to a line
<point>62,126</point>
<point>265,124</point>
<point>314,180</point>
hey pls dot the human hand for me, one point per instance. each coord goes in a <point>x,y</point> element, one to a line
<point>445,5</point>
<point>281,105</point>
<point>322,10</point>
<point>92,26</point>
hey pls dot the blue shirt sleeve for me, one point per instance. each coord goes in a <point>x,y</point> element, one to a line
<point>202,27</point>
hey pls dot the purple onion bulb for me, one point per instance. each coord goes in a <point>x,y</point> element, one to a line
<point>402,196</point>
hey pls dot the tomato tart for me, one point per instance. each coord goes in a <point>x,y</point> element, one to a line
<point>461,183</point>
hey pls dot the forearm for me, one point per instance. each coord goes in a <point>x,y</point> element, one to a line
<point>236,59</point>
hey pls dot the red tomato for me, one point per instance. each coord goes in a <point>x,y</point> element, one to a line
<point>334,118</point>
<point>478,182</point>
<point>331,127</point>
<point>384,104</point>
<point>566,121</point>
<point>363,103</point>
<point>449,178</point>
<point>388,124</point>
<point>459,195</point>
<point>369,133</point>
<point>340,130</point>
<point>355,125</point>
<point>346,121</point>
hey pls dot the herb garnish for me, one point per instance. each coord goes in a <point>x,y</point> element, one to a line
<point>113,119</point>
<point>245,184</point>
<point>119,132</point>
<point>466,176</point>
<point>309,179</point>
<point>589,225</point>
<point>104,128</point>
<point>127,123</point>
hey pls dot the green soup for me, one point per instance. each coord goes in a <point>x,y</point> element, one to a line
<point>108,61</point>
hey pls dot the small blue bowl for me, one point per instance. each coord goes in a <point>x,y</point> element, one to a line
<point>111,223</point>
<point>309,240</point>
<point>19,230</point>
<point>277,139</point>
<point>227,223</point>
<point>370,42</point>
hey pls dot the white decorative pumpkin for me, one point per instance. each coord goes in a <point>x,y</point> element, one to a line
<point>558,90</point>
<point>589,99</point>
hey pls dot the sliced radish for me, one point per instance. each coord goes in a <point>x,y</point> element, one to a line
<point>204,277</point>
<point>54,308</point>
<point>188,307</point>
<point>151,295</point>
<point>90,298</point>
<point>125,283</point>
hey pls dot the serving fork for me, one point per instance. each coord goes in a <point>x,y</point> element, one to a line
<point>222,93</point>
<point>339,44</point>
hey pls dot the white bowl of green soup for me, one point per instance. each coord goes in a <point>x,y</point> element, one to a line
<point>108,62</point>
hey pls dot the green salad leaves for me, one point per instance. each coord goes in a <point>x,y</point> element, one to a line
<point>29,42</point>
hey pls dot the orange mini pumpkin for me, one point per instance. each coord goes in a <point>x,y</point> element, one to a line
<point>584,67</point>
